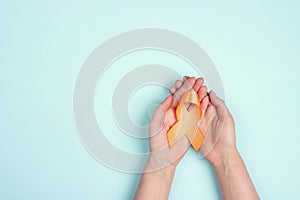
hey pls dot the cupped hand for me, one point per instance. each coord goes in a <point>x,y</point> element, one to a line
<point>163,119</point>
<point>218,127</point>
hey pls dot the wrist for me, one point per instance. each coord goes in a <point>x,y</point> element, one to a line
<point>154,164</point>
<point>228,158</point>
<point>155,182</point>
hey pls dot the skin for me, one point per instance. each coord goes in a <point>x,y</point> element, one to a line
<point>219,148</point>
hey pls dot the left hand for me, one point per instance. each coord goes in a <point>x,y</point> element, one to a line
<point>163,119</point>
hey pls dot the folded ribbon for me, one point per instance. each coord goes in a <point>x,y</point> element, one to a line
<point>187,121</point>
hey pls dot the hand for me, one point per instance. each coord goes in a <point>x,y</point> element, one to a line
<point>220,149</point>
<point>162,162</point>
<point>218,128</point>
<point>163,119</point>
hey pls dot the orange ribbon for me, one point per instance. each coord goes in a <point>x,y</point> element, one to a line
<point>187,121</point>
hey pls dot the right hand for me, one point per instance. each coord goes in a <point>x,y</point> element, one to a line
<point>218,127</point>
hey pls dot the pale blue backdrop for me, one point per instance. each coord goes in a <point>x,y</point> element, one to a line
<point>255,46</point>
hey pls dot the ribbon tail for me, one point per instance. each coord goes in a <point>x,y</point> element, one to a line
<point>198,140</point>
<point>172,135</point>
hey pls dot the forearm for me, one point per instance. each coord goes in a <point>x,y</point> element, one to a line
<point>234,180</point>
<point>155,185</point>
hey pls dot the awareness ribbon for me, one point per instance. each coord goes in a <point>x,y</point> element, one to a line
<point>187,121</point>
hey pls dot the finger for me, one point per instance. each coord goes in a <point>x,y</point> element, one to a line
<point>187,85</point>
<point>218,103</point>
<point>172,90</point>
<point>178,84</point>
<point>204,104</point>
<point>158,119</point>
<point>202,92</point>
<point>206,119</point>
<point>166,104</point>
<point>199,82</point>
<point>185,78</point>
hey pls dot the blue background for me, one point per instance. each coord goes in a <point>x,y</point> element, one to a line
<point>255,46</point>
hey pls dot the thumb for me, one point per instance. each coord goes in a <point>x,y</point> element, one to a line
<point>218,103</point>
<point>158,118</point>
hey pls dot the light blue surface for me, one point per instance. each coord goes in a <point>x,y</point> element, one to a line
<point>254,45</point>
